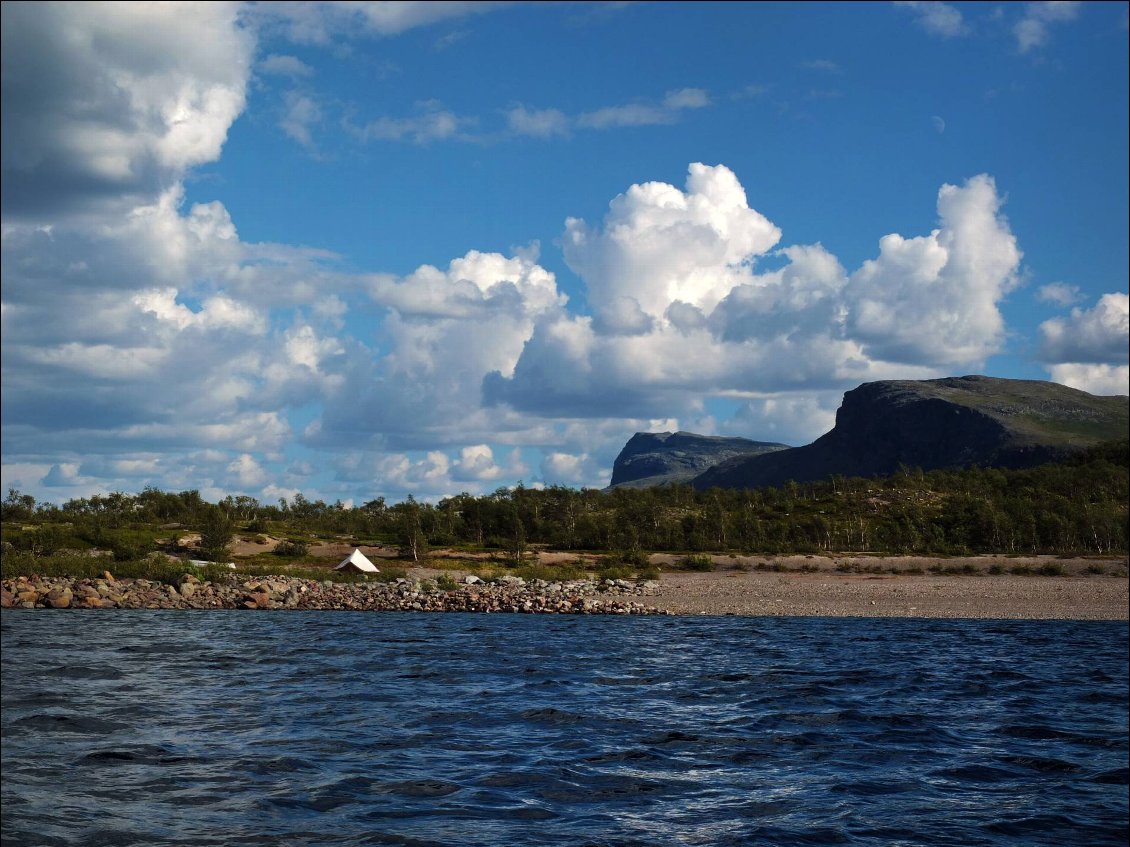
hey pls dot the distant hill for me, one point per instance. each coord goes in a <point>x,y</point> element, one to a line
<point>663,458</point>
<point>939,423</point>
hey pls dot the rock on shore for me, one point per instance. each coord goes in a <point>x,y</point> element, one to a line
<point>510,594</point>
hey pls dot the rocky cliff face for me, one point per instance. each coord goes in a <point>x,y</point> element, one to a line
<point>658,458</point>
<point>941,423</point>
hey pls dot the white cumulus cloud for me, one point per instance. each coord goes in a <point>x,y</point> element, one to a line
<point>659,245</point>
<point>1100,335</point>
<point>934,299</point>
<point>681,311</point>
<point>1106,380</point>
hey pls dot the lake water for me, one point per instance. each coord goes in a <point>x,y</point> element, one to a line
<point>334,728</point>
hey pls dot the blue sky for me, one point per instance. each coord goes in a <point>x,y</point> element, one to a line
<point>379,249</point>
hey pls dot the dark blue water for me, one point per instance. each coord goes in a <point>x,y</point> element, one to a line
<point>306,728</point>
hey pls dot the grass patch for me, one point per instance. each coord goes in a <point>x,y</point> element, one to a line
<point>612,571</point>
<point>79,566</point>
<point>550,573</point>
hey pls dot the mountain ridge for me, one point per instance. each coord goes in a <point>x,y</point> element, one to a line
<point>663,458</point>
<point>941,423</point>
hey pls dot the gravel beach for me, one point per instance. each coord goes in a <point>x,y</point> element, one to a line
<point>1081,594</point>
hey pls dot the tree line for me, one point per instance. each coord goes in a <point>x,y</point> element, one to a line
<point>1078,506</point>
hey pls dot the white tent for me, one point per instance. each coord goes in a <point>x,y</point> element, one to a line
<point>357,561</point>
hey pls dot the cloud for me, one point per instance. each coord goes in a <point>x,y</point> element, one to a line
<point>437,123</point>
<point>538,123</point>
<point>751,91</point>
<point>281,65</point>
<point>112,104</point>
<point>686,98</point>
<point>933,299</point>
<point>443,331</point>
<point>1097,336</point>
<point>431,474</point>
<point>822,65</point>
<point>477,463</point>
<point>632,114</point>
<point>559,468</point>
<point>936,18</point>
<point>246,473</point>
<point>681,311</point>
<point>433,123</point>
<point>302,112</point>
<point>659,245</point>
<point>145,342</point>
<point>449,40</point>
<point>789,419</point>
<point>646,114</point>
<point>1032,30</point>
<point>321,23</point>
<point>1060,293</point>
<point>1105,380</point>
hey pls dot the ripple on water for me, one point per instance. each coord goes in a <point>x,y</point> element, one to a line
<point>352,729</point>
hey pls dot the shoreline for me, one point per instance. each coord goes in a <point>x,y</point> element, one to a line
<point>790,586</point>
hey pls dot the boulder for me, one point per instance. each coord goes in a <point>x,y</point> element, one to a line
<point>60,598</point>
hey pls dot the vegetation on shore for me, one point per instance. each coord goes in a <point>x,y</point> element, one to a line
<point>1077,507</point>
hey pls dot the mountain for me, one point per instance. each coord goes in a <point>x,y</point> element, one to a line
<point>658,458</point>
<point>938,423</point>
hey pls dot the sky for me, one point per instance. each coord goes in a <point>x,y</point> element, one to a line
<point>360,250</point>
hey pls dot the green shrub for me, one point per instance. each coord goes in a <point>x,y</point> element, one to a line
<point>125,550</point>
<point>1052,569</point>
<point>291,547</point>
<point>634,557</point>
<point>612,569</point>
<point>698,562</point>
